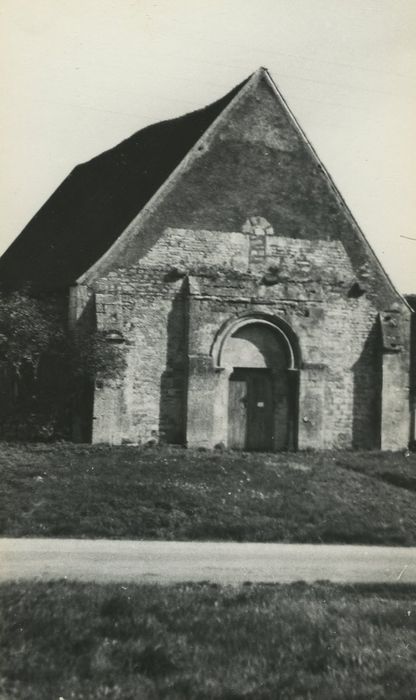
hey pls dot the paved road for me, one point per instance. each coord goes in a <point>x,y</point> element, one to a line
<point>221,562</point>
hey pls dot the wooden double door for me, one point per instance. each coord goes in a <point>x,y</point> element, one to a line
<point>251,421</point>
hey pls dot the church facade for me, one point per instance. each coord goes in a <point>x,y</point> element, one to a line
<point>250,309</point>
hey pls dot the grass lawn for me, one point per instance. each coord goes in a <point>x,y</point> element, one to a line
<point>253,642</point>
<point>392,469</point>
<point>172,493</point>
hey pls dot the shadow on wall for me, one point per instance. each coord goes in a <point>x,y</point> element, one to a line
<point>82,408</point>
<point>368,379</point>
<point>174,379</point>
<point>412,393</point>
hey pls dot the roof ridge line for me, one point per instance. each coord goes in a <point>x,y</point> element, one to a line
<point>129,231</point>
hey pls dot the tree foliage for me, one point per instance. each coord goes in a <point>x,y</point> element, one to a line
<point>44,368</point>
<point>27,329</point>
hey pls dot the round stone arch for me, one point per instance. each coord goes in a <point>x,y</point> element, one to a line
<point>259,357</point>
<point>283,331</point>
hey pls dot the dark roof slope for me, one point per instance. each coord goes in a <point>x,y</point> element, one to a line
<point>95,203</point>
<point>411,300</point>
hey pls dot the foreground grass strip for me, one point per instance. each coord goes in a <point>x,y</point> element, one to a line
<point>323,642</point>
<point>172,493</point>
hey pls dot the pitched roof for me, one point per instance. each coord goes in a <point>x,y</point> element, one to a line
<point>99,198</point>
<point>253,160</point>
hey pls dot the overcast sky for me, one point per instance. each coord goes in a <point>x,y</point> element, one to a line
<point>78,76</point>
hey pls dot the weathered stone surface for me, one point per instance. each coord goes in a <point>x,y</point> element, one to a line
<point>250,227</point>
<point>241,256</point>
<point>172,391</point>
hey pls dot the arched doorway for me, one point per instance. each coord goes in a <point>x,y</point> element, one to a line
<point>262,386</point>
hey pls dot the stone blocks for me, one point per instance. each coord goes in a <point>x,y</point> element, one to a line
<point>171,307</point>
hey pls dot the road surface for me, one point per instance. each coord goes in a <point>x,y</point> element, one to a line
<point>221,562</point>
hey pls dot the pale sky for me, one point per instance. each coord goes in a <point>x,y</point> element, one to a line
<point>78,76</point>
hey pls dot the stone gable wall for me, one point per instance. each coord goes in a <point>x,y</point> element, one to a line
<point>255,162</point>
<point>171,306</point>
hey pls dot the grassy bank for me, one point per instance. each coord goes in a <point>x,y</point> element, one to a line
<point>173,493</point>
<point>398,469</point>
<point>323,642</point>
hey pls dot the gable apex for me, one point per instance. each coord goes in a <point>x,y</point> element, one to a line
<point>254,158</point>
<point>241,157</point>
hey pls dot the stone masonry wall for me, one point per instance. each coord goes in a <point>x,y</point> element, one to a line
<point>331,338</point>
<point>171,306</point>
<point>308,263</point>
<point>152,394</point>
<point>254,163</point>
